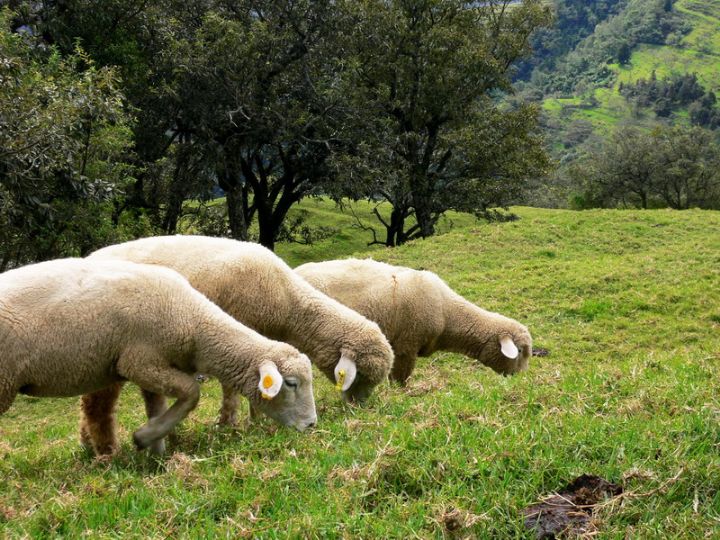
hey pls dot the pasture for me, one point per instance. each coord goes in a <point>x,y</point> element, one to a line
<point>626,302</point>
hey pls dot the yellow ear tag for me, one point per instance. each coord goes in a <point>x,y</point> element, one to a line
<point>341,379</point>
<point>267,382</point>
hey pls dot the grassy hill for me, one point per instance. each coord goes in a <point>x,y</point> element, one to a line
<point>625,301</point>
<point>698,51</point>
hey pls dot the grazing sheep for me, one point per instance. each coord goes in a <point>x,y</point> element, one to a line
<point>420,314</point>
<point>73,326</point>
<point>256,287</point>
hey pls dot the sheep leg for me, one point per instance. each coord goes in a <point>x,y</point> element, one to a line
<point>254,413</point>
<point>155,405</point>
<point>97,424</point>
<point>228,410</point>
<point>156,377</point>
<point>403,367</point>
<point>7,395</point>
<point>6,399</point>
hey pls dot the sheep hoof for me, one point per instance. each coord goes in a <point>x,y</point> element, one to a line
<point>227,419</point>
<point>157,448</point>
<point>140,442</point>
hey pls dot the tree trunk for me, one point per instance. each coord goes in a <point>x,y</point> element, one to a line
<point>424,217</point>
<point>236,205</point>
<point>172,211</point>
<point>178,189</point>
<point>236,195</point>
<point>267,226</point>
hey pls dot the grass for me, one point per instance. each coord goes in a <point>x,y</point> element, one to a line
<point>625,301</point>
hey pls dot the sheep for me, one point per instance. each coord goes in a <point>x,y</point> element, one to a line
<point>420,314</point>
<point>74,326</point>
<point>255,286</point>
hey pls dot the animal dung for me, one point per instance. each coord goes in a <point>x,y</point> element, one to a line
<point>570,510</point>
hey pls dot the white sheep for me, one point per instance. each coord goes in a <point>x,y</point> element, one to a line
<point>73,326</point>
<point>420,314</point>
<point>260,290</point>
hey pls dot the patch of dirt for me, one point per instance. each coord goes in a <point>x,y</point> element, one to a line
<point>183,466</point>
<point>420,388</point>
<point>571,510</point>
<point>456,519</point>
<point>539,351</point>
<point>364,473</point>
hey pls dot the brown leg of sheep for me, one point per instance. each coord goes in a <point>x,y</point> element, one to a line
<point>143,367</point>
<point>228,410</point>
<point>97,425</point>
<point>403,367</point>
<point>155,405</point>
<point>7,395</point>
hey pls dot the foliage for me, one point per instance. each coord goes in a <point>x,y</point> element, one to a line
<point>665,96</point>
<point>64,139</point>
<point>434,138</point>
<point>639,21</point>
<point>677,167</point>
<point>574,21</point>
<point>605,291</point>
<point>266,106</point>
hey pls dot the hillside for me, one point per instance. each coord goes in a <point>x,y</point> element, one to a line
<point>692,48</point>
<point>624,301</point>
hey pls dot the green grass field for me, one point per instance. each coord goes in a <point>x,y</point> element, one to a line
<point>627,303</point>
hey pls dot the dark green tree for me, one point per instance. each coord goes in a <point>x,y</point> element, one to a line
<point>64,142</point>
<point>690,175</point>
<point>424,77</point>
<point>623,53</point>
<point>268,105</point>
<point>677,167</point>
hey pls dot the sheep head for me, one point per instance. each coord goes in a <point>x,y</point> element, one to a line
<point>363,366</point>
<point>285,390</point>
<point>507,353</point>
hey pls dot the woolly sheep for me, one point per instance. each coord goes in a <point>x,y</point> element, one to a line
<point>420,314</point>
<point>256,287</point>
<point>73,326</point>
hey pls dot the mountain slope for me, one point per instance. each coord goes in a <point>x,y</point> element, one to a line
<point>695,51</point>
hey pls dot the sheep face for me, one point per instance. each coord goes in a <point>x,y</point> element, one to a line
<point>286,393</point>
<point>507,353</point>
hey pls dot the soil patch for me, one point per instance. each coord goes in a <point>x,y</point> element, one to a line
<point>571,510</point>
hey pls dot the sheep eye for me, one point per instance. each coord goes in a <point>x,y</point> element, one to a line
<point>291,383</point>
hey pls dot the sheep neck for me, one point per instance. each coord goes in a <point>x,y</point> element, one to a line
<point>315,329</point>
<point>228,351</point>
<point>466,328</point>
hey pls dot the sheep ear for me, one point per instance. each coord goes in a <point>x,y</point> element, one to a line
<point>508,348</point>
<point>345,373</point>
<point>270,380</point>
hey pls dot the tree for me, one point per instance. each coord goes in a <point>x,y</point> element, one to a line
<point>690,176</point>
<point>674,166</point>
<point>255,92</point>
<point>627,168</point>
<point>135,38</point>
<point>425,74</point>
<point>64,140</point>
<point>623,53</point>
